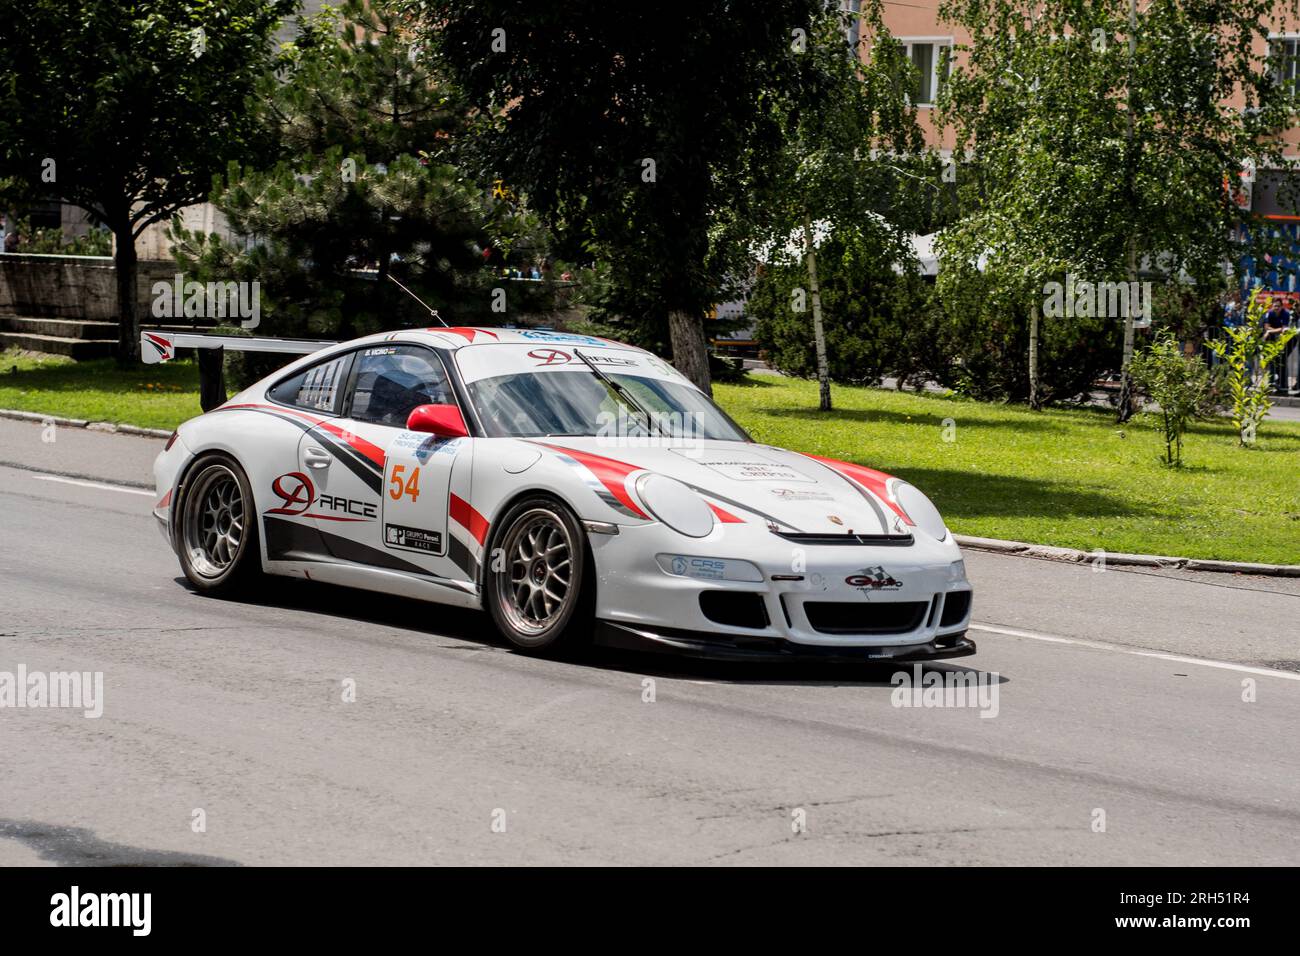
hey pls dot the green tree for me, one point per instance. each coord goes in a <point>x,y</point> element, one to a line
<point>1178,383</point>
<point>631,131</point>
<point>1248,358</point>
<point>848,154</point>
<point>1100,139</point>
<point>366,186</point>
<point>127,108</point>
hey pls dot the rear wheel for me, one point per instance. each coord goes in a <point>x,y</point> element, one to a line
<point>537,582</point>
<point>217,530</point>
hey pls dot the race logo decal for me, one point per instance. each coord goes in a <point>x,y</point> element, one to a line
<point>412,539</point>
<point>873,579</point>
<point>162,345</point>
<point>296,491</point>
<point>298,494</point>
<point>550,356</point>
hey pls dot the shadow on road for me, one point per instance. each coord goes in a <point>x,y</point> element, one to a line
<point>74,846</point>
<point>474,631</point>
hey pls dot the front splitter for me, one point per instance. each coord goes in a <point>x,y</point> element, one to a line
<point>743,648</point>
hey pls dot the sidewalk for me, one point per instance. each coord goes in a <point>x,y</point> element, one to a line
<point>79,452</point>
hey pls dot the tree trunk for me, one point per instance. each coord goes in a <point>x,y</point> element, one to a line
<point>1125,409</point>
<point>128,320</point>
<point>819,332</point>
<point>1034,400</point>
<point>690,350</point>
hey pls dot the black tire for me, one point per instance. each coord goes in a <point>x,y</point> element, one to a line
<point>535,605</point>
<point>216,527</point>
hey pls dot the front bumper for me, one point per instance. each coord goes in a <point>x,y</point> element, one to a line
<point>731,647</point>
<point>813,596</point>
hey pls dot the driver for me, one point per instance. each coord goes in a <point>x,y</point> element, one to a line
<point>393,395</point>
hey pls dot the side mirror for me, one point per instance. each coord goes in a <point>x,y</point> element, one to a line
<point>445,421</point>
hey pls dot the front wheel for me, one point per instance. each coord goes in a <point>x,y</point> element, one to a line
<point>537,588</point>
<point>217,532</point>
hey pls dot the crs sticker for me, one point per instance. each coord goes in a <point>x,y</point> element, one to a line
<point>873,579</point>
<point>295,491</point>
<point>708,569</point>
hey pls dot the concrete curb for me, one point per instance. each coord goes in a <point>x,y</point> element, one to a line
<point>1166,562</point>
<point>111,427</point>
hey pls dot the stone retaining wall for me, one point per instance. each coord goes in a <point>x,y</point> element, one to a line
<point>71,287</point>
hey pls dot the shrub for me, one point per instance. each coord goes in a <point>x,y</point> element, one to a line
<point>1178,383</point>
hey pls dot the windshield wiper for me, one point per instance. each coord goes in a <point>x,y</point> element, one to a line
<point>621,392</point>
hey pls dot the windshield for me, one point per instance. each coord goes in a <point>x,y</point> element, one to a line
<point>576,402</point>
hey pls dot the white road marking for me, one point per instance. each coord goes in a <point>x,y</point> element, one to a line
<point>93,484</point>
<point>1102,646</point>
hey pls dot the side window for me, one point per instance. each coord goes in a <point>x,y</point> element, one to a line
<point>393,379</point>
<point>316,387</point>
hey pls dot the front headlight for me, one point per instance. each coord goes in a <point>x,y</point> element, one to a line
<point>675,505</point>
<point>921,510</point>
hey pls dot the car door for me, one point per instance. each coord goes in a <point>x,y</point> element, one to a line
<point>308,398</point>
<point>385,495</point>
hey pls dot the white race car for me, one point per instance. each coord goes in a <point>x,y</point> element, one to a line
<point>571,486</point>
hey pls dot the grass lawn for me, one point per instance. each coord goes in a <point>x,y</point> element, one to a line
<point>1068,477</point>
<point>152,396</point>
<point>1064,477</point>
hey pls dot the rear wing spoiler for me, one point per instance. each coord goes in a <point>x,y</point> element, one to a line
<point>158,347</point>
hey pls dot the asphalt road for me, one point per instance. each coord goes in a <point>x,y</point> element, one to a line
<point>1119,692</point>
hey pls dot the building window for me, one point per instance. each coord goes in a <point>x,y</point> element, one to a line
<point>930,58</point>
<point>1285,51</point>
<point>851,11</point>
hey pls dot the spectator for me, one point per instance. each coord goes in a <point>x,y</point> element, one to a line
<point>1276,321</point>
<point>1232,314</point>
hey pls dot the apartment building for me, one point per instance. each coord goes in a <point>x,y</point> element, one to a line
<point>930,42</point>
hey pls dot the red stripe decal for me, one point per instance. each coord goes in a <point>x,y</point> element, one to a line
<point>372,452</point>
<point>465,332</point>
<point>463,513</point>
<point>726,517</point>
<point>610,473</point>
<point>874,481</point>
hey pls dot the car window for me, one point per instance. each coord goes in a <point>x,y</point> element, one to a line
<point>391,380</point>
<point>316,387</point>
<point>577,402</point>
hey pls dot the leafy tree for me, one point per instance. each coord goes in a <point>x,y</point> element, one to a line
<point>1180,384</point>
<point>631,131</point>
<point>1101,140</point>
<point>1248,358</point>
<point>366,186</point>
<point>879,323</point>
<point>127,108</point>
<point>850,134</point>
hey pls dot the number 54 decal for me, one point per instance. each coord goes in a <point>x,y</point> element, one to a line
<point>402,485</point>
